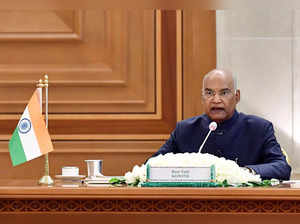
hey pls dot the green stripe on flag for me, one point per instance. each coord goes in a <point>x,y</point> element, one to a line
<point>16,150</point>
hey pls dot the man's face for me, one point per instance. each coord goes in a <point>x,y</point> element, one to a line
<point>219,97</point>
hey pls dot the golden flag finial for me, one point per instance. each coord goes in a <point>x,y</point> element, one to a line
<point>46,80</point>
<point>40,84</point>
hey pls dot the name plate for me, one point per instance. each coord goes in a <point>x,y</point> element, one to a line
<point>180,174</point>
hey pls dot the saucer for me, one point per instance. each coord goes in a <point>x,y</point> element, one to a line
<point>78,177</point>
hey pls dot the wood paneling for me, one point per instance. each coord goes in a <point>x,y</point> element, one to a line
<point>24,25</point>
<point>179,65</point>
<point>199,56</point>
<point>111,70</point>
<point>115,92</point>
<point>110,81</point>
<point>118,157</point>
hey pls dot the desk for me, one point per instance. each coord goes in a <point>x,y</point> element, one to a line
<point>23,201</point>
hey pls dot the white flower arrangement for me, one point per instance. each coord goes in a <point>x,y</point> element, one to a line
<point>138,175</point>
<point>226,170</point>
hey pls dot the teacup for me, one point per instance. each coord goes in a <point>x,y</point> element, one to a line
<point>70,171</point>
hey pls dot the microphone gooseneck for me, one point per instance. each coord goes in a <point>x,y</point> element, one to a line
<point>212,127</point>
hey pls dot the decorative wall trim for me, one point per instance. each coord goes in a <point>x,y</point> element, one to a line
<point>47,36</point>
<point>149,206</point>
<point>179,64</point>
<point>158,41</point>
<point>84,146</point>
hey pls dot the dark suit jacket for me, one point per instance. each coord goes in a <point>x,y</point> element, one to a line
<point>249,140</point>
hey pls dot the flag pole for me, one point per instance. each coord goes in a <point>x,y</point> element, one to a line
<point>46,179</point>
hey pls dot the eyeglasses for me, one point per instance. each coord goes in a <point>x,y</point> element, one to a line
<point>223,93</point>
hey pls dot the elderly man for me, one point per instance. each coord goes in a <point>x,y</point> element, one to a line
<point>249,140</point>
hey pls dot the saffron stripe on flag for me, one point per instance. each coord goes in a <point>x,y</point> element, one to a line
<point>31,133</point>
<point>16,150</point>
<point>38,124</point>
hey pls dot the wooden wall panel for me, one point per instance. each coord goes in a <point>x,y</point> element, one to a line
<point>118,157</point>
<point>115,89</point>
<point>107,83</point>
<point>113,92</point>
<point>102,73</point>
<point>199,56</point>
<point>24,25</point>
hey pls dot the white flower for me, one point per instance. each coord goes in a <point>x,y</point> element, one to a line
<point>136,171</point>
<point>129,178</point>
<point>138,174</point>
<point>225,169</point>
<point>142,173</point>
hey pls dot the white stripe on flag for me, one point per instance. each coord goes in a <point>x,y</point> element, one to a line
<point>29,140</point>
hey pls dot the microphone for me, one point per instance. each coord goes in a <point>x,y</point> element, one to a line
<point>212,127</point>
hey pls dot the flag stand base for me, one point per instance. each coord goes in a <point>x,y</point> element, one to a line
<point>46,180</point>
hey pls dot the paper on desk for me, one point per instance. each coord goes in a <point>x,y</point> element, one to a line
<point>291,181</point>
<point>100,179</point>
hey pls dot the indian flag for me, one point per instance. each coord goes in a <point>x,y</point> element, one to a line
<point>30,138</point>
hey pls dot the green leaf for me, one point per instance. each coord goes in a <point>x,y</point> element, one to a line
<point>225,184</point>
<point>115,180</point>
<point>264,183</point>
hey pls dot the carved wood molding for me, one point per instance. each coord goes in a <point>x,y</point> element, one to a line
<point>108,146</point>
<point>5,138</point>
<point>150,206</point>
<point>125,65</point>
<point>27,35</point>
<point>123,118</point>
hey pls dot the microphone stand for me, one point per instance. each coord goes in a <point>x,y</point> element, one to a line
<point>212,127</point>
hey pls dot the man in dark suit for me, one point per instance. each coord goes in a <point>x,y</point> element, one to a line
<point>247,139</point>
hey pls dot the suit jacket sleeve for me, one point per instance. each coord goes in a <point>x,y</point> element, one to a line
<point>170,145</point>
<point>274,164</point>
